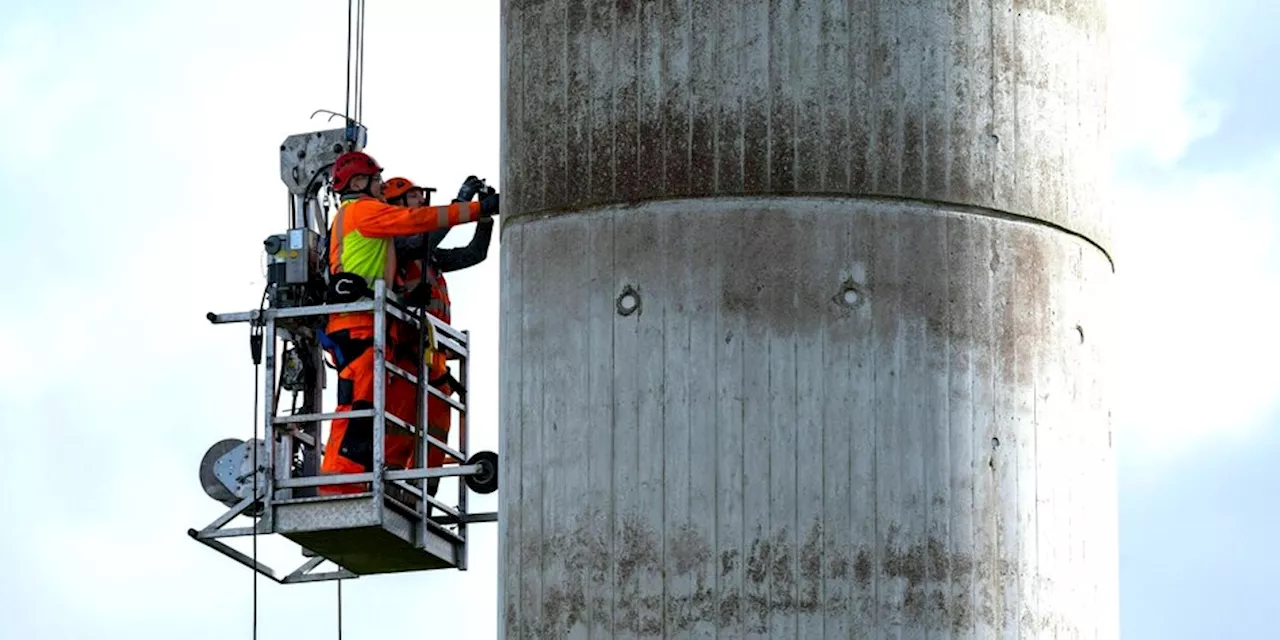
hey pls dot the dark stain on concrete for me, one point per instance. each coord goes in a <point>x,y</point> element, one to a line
<point>758,560</point>
<point>725,101</point>
<point>928,584</point>
<point>765,258</point>
<point>728,561</point>
<point>838,566</point>
<point>862,568</point>
<point>688,550</point>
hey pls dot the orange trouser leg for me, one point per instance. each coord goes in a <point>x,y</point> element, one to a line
<point>402,397</point>
<point>350,445</point>
<point>439,422</point>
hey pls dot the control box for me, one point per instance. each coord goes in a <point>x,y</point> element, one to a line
<point>294,272</point>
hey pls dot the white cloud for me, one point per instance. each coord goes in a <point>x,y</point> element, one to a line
<point>1195,253</point>
<point>1153,111</point>
<point>1197,311</point>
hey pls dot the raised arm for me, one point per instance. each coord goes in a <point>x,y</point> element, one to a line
<point>415,247</point>
<point>374,219</point>
<point>469,256</point>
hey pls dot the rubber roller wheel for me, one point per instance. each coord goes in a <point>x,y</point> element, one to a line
<point>486,480</point>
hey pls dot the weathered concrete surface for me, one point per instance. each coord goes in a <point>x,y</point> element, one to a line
<point>862,394</point>
<point>992,104</point>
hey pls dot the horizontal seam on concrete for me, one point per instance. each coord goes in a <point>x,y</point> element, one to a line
<point>950,207</point>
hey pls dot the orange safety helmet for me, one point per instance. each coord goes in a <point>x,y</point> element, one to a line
<point>350,165</point>
<point>396,187</point>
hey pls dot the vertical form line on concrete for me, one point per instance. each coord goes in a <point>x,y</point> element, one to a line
<point>976,131</point>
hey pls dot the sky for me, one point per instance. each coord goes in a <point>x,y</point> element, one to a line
<point>140,174</point>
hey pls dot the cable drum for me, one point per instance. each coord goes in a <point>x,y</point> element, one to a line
<point>226,471</point>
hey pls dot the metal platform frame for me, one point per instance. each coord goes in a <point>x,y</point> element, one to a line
<point>393,535</point>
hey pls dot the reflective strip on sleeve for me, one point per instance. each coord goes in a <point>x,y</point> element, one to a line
<point>336,267</point>
<point>442,217</point>
<point>456,213</point>
<point>465,214</point>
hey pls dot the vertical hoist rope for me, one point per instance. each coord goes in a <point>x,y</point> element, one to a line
<point>354,108</point>
<point>355,60</point>
<point>254,444</point>
<point>347,106</point>
<point>255,349</point>
<point>360,63</point>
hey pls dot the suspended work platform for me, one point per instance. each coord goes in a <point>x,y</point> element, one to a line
<point>393,525</point>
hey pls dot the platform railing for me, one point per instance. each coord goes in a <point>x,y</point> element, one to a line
<point>289,434</point>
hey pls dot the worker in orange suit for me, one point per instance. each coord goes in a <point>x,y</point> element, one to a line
<point>422,275</point>
<point>361,251</point>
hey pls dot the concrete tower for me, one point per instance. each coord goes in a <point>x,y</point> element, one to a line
<point>803,320</point>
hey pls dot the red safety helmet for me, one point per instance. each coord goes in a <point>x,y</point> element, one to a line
<point>350,165</point>
<point>396,187</point>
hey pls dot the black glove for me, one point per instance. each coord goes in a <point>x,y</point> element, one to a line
<point>489,206</point>
<point>470,187</point>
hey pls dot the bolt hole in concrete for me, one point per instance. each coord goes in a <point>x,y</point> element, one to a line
<point>995,443</point>
<point>628,301</point>
<point>848,295</point>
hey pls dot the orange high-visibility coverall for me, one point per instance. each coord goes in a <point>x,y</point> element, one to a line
<point>439,413</point>
<point>429,269</point>
<point>360,242</point>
